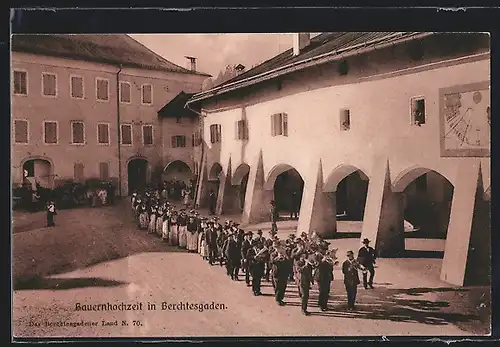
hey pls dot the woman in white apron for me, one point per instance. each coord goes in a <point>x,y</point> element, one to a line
<point>152,219</point>
<point>143,217</point>
<point>174,230</point>
<point>165,226</point>
<point>187,194</point>
<point>159,221</point>
<point>191,235</point>
<point>201,237</point>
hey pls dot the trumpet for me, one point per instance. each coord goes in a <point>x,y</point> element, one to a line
<point>329,260</point>
<point>261,252</point>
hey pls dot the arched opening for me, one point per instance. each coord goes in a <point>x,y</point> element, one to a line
<point>177,171</point>
<point>38,171</point>
<point>240,182</point>
<point>213,183</point>
<point>427,199</point>
<point>137,174</point>
<point>288,187</point>
<point>347,189</point>
<point>215,172</point>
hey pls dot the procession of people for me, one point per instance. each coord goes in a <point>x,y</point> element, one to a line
<point>297,261</point>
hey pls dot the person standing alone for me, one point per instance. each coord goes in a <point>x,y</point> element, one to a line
<point>367,257</point>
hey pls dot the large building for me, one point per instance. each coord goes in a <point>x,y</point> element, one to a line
<point>375,127</point>
<point>99,106</point>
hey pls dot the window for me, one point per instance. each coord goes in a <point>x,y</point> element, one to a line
<point>78,172</point>
<point>279,124</point>
<point>178,141</point>
<point>50,132</point>
<point>418,111</point>
<point>215,133</point>
<point>77,87</point>
<point>421,183</point>
<point>102,89</point>
<point>20,131</point>
<point>241,130</point>
<point>125,92</point>
<point>20,83</point>
<point>103,133</point>
<point>103,171</point>
<point>197,138</point>
<point>147,94</point>
<point>49,84</point>
<point>126,134</point>
<point>147,135</point>
<point>345,120</point>
<point>77,133</point>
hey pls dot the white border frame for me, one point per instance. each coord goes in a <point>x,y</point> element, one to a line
<point>131,134</point>
<point>120,91</point>
<point>152,134</point>
<point>71,76</point>
<point>142,94</point>
<point>57,132</point>
<point>27,81</point>
<point>84,137</point>
<point>109,134</point>
<point>96,96</point>
<point>42,84</point>
<point>14,132</point>
<point>415,98</point>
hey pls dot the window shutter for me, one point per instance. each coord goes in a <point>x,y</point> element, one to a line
<point>21,131</point>
<point>273,130</point>
<point>219,133</point>
<point>104,171</point>
<point>285,124</point>
<point>174,142</point>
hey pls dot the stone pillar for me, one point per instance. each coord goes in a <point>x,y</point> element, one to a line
<point>202,189</point>
<point>257,199</point>
<point>317,212</point>
<point>467,250</point>
<point>383,222</point>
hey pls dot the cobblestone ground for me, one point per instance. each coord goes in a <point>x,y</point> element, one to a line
<point>405,301</point>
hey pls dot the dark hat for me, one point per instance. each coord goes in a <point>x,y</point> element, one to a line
<point>191,211</point>
<point>236,225</point>
<point>303,233</point>
<point>249,233</point>
<point>210,222</point>
<point>272,232</point>
<point>291,236</point>
<point>366,241</point>
<point>259,232</point>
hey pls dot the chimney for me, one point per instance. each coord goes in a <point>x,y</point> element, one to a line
<point>300,41</point>
<point>192,63</point>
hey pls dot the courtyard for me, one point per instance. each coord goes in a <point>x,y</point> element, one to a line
<point>96,256</point>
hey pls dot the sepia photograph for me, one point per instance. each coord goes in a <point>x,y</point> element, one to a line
<point>251,184</point>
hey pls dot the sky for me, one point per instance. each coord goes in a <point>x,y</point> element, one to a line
<point>215,51</point>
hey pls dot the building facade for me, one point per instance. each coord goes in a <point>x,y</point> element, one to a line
<point>86,106</point>
<point>378,127</point>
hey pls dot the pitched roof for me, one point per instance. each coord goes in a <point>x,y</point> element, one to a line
<point>175,108</point>
<point>323,48</point>
<point>109,49</point>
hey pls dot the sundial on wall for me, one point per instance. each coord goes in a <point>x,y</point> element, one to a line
<point>465,117</point>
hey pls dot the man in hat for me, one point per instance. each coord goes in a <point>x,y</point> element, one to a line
<point>350,269</point>
<point>305,271</point>
<point>211,239</point>
<point>269,244</point>
<point>259,237</point>
<point>233,256</point>
<point>367,257</point>
<point>326,262</point>
<point>274,216</point>
<point>212,201</point>
<point>281,272</point>
<point>51,212</point>
<point>256,256</point>
<point>245,246</point>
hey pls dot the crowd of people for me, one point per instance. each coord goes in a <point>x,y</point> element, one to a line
<point>302,260</point>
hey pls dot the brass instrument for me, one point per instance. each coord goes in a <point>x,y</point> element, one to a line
<point>260,252</point>
<point>356,265</point>
<point>328,259</point>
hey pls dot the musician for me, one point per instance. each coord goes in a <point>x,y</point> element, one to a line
<point>281,272</point>
<point>367,257</point>
<point>296,255</point>
<point>350,269</point>
<point>245,246</point>
<point>221,241</point>
<point>211,239</point>
<point>256,263</point>
<point>289,247</point>
<point>325,277</point>
<point>233,256</point>
<point>305,268</point>
<point>260,238</point>
<point>51,212</point>
<point>269,244</point>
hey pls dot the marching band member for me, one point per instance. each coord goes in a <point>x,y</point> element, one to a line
<point>233,256</point>
<point>281,272</point>
<point>367,257</point>
<point>305,268</point>
<point>245,246</point>
<point>221,241</point>
<point>269,244</point>
<point>211,239</point>
<point>325,277</point>
<point>350,269</point>
<point>256,261</point>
